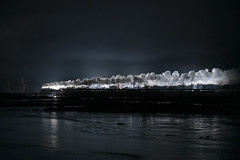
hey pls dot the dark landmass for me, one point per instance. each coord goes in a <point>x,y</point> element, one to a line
<point>204,101</point>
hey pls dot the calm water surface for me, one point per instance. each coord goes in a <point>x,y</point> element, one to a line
<point>35,134</point>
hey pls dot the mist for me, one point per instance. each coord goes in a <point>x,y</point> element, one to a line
<point>215,77</point>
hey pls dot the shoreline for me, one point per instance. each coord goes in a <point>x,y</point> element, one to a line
<point>173,101</point>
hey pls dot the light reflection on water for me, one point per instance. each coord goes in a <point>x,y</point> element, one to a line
<point>64,135</point>
<point>50,130</point>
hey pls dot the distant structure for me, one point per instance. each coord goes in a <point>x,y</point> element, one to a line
<point>17,87</point>
<point>23,86</point>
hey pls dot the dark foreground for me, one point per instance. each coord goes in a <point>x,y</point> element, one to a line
<point>31,133</point>
<point>141,100</point>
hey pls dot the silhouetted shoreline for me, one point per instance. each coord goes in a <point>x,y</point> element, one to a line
<point>92,100</point>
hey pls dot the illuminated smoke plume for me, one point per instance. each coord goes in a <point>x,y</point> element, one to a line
<point>203,77</point>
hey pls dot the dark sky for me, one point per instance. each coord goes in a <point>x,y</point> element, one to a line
<point>59,40</point>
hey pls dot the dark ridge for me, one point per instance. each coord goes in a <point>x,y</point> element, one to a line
<point>223,100</point>
<point>120,155</point>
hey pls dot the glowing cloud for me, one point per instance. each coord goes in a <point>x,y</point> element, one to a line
<point>204,77</point>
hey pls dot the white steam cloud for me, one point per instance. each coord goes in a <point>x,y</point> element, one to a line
<point>203,77</point>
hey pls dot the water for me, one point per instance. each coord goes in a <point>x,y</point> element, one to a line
<point>30,133</point>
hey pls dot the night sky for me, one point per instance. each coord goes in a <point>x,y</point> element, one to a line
<point>49,41</point>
